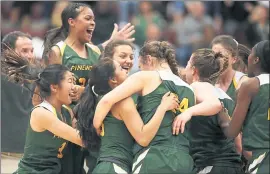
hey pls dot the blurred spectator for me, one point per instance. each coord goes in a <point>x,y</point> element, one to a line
<point>20,42</point>
<point>153,32</point>
<point>213,9</point>
<point>147,16</point>
<point>9,18</point>
<point>258,25</point>
<point>234,13</point>
<point>35,23</point>
<point>56,13</point>
<point>127,9</point>
<point>105,17</point>
<point>195,31</point>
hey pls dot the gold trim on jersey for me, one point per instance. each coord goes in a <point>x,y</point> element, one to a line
<point>62,45</point>
<point>94,48</point>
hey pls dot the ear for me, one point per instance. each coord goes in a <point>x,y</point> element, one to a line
<point>194,70</point>
<point>149,60</point>
<point>71,22</point>
<point>256,60</point>
<point>113,81</point>
<point>54,88</point>
<point>234,59</point>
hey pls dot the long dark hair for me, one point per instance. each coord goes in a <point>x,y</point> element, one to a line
<point>21,69</point>
<point>84,111</point>
<point>56,35</point>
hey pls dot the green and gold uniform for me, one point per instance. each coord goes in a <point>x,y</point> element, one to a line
<point>43,150</point>
<point>211,150</point>
<point>166,153</point>
<point>81,68</point>
<point>115,155</point>
<point>234,84</point>
<point>256,134</point>
<point>78,65</point>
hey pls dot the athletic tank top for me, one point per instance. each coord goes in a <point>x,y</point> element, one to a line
<point>78,65</point>
<point>257,123</point>
<point>233,86</point>
<point>43,150</point>
<point>147,105</point>
<point>116,143</point>
<point>208,144</point>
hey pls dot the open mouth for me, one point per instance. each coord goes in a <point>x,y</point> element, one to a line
<point>90,31</point>
<point>127,68</point>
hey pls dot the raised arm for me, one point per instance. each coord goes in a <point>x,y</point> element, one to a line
<point>133,84</point>
<point>144,133</point>
<point>247,90</point>
<point>43,119</point>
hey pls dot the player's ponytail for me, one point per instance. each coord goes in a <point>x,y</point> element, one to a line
<point>163,51</point>
<point>209,64</point>
<point>84,111</point>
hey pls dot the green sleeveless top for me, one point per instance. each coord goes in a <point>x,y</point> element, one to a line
<point>116,143</point>
<point>43,150</point>
<point>233,86</point>
<point>147,105</point>
<point>208,144</point>
<point>78,65</point>
<point>256,125</point>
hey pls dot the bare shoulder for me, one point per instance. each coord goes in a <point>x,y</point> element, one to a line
<point>201,85</point>
<point>250,85</point>
<point>40,113</point>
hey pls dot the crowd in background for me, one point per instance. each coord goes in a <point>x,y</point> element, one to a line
<point>188,25</point>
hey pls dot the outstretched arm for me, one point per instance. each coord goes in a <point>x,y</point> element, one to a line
<point>247,90</point>
<point>144,133</point>
<point>131,85</point>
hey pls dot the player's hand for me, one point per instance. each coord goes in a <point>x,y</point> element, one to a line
<point>124,34</point>
<point>180,122</point>
<point>76,92</point>
<point>169,101</point>
<point>224,115</point>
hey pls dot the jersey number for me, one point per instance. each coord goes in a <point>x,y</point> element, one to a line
<point>183,105</point>
<point>60,150</point>
<point>82,81</point>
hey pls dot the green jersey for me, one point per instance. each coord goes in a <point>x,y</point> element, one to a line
<point>43,150</point>
<point>209,145</point>
<point>148,104</point>
<point>78,65</point>
<point>256,125</point>
<point>116,143</point>
<point>233,86</point>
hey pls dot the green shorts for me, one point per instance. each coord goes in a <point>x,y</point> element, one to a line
<point>158,159</point>
<point>260,165</point>
<point>109,167</point>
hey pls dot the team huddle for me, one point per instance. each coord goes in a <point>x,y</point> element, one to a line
<point>209,117</point>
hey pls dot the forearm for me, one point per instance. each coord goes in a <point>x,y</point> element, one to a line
<point>205,109</point>
<point>104,44</point>
<point>149,130</point>
<point>102,109</point>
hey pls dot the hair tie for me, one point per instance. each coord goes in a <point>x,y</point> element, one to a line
<point>93,90</point>
<point>38,76</point>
